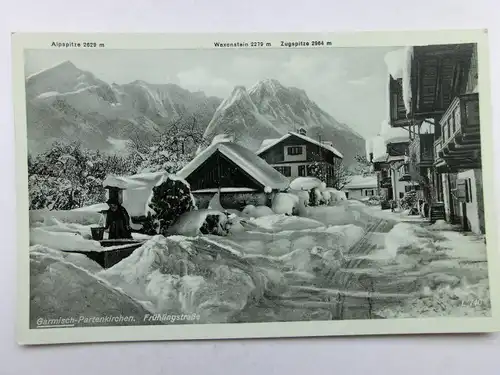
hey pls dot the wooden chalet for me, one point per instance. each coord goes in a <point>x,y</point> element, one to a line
<point>443,82</point>
<point>239,175</point>
<point>297,155</point>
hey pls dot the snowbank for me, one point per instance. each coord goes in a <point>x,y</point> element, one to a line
<point>460,301</point>
<point>62,241</point>
<point>442,225</point>
<point>184,276</point>
<point>65,286</point>
<point>259,211</point>
<point>286,203</point>
<point>302,194</point>
<point>406,236</point>
<point>280,223</point>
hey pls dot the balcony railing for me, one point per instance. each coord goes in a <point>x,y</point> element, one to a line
<point>459,146</point>
<point>461,117</point>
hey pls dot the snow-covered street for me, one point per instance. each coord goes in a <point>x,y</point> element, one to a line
<point>348,261</point>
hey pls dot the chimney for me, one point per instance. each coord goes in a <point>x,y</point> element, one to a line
<point>302,131</point>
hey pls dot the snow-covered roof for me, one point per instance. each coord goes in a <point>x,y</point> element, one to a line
<point>138,189</point>
<point>395,158</point>
<point>268,143</point>
<point>361,182</point>
<point>399,139</point>
<point>249,162</point>
<point>381,158</point>
<point>399,66</point>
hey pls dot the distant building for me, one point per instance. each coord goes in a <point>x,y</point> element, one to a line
<point>360,187</point>
<point>393,170</point>
<point>239,175</point>
<point>297,155</point>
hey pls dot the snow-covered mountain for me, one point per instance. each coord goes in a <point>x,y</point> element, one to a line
<point>238,117</point>
<point>269,110</point>
<point>65,102</point>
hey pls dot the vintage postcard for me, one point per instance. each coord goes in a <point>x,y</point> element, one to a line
<point>177,187</point>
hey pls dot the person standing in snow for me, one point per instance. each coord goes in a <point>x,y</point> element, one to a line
<point>117,221</point>
<point>393,205</point>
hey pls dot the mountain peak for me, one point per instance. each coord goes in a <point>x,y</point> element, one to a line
<point>59,68</point>
<point>239,90</point>
<point>267,84</point>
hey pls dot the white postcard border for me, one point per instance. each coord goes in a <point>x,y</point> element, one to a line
<point>25,335</point>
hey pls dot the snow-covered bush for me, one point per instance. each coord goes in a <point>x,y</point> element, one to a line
<point>326,197</point>
<point>205,221</point>
<point>257,211</point>
<point>169,200</point>
<point>214,224</point>
<point>315,197</point>
<point>302,194</point>
<point>288,204</point>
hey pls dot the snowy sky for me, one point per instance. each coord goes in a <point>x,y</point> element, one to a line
<point>349,83</point>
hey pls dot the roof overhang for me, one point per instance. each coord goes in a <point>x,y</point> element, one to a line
<point>438,73</point>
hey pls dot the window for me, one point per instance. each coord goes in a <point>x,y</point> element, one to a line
<point>369,193</point>
<point>302,170</point>
<point>285,171</point>
<point>401,195</point>
<point>294,150</point>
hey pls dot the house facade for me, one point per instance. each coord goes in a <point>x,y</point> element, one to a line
<point>361,187</point>
<point>236,173</point>
<point>446,161</point>
<point>297,155</point>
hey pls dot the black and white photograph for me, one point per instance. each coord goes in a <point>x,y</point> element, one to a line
<point>254,182</point>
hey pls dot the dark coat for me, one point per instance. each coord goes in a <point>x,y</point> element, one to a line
<point>118,223</point>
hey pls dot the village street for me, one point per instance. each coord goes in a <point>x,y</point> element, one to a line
<point>345,261</point>
<point>386,265</point>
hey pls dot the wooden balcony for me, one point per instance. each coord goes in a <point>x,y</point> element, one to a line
<point>421,151</point>
<point>460,144</point>
<point>438,74</point>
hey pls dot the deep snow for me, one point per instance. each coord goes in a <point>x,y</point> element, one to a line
<point>347,261</point>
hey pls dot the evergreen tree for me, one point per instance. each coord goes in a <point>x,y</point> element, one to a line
<point>169,200</point>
